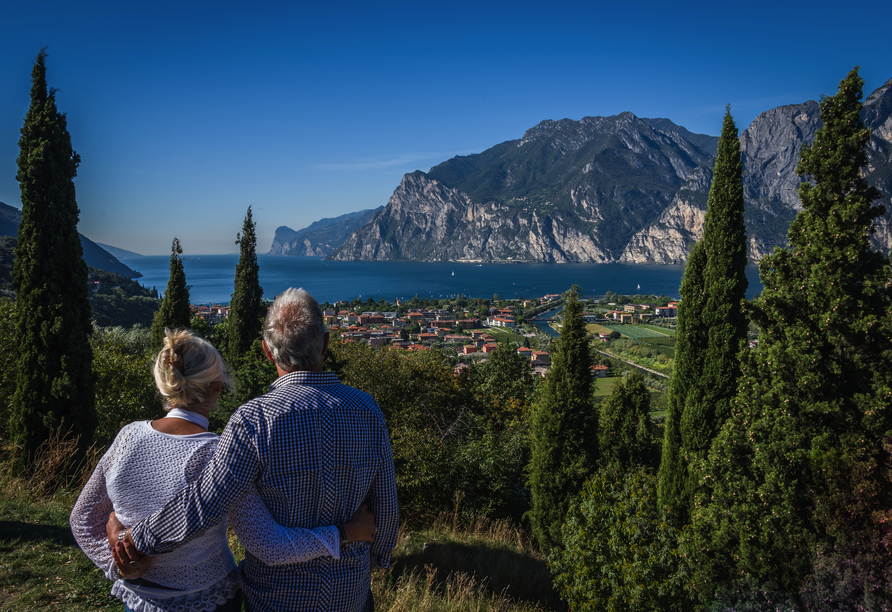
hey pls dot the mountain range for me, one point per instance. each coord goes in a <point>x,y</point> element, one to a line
<point>321,237</point>
<point>602,189</point>
<point>94,255</point>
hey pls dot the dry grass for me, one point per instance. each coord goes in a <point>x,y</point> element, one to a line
<point>595,328</point>
<point>41,568</point>
<point>476,566</point>
<point>55,465</point>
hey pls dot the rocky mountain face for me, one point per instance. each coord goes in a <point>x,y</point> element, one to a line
<point>321,237</point>
<point>568,191</point>
<point>606,189</point>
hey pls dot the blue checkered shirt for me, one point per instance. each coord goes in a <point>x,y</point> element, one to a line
<point>317,449</point>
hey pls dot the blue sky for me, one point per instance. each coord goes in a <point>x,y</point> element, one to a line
<point>184,114</point>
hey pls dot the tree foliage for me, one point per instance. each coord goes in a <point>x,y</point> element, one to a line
<point>125,387</point>
<point>448,454</point>
<point>245,308</point>
<point>564,429</point>
<point>626,430</point>
<point>620,548</point>
<point>800,473</point>
<point>504,384</point>
<point>175,311</point>
<point>54,388</point>
<point>711,328</point>
<point>428,410</point>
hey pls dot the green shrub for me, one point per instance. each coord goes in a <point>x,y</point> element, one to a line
<point>620,549</point>
<point>125,388</point>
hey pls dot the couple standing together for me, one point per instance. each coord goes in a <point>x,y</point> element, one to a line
<point>290,470</point>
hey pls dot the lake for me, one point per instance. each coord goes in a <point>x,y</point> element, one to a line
<point>212,276</point>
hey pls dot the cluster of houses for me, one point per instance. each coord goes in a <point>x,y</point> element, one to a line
<point>212,313</point>
<point>459,330</point>
<point>633,313</point>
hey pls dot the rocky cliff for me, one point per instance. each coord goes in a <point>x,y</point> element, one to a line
<point>321,237</point>
<point>607,189</point>
<point>770,149</point>
<point>568,191</point>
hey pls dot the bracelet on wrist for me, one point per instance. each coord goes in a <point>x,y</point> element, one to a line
<point>342,533</point>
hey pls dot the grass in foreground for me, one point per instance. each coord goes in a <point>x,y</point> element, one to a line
<point>41,568</point>
<point>484,566</point>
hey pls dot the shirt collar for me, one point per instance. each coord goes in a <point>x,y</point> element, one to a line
<point>313,379</point>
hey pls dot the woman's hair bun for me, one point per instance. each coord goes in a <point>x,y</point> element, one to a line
<point>185,368</point>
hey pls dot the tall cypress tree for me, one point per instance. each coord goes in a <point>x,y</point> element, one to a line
<point>802,465</point>
<point>175,310</point>
<point>564,429</point>
<point>54,385</point>
<point>711,328</point>
<point>245,306</point>
<point>626,430</point>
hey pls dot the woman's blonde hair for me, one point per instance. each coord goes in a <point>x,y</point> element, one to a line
<point>186,367</point>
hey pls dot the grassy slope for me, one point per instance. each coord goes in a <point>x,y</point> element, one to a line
<point>41,568</point>
<point>487,565</point>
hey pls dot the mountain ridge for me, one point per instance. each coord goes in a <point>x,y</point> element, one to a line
<point>605,189</point>
<point>94,255</point>
<point>320,237</point>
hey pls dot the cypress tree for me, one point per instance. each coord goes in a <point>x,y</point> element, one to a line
<point>54,384</point>
<point>626,430</point>
<point>711,328</point>
<point>175,309</point>
<point>690,343</point>
<point>245,307</point>
<point>799,475</point>
<point>564,429</point>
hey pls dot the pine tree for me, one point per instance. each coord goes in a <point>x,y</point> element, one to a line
<point>55,385</point>
<point>800,469</point>
<point>626,430</point>
<point>711,328</point>
<point>564,429</point>
<point>175,311</point>
<point>245,307</point>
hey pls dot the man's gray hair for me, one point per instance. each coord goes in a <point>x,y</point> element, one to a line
<point>294,330</point>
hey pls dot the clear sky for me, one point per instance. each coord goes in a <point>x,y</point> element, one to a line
<point>186,113</point>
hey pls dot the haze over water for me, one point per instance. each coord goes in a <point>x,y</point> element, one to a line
<point>212,276</point>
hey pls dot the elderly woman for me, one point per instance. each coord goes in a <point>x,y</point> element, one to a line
<point>150,461</point>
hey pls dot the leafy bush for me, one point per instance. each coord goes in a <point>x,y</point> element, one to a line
<point>429,412</point>
<point>747,595</point>
<point>125,389</point>
<point>620,549</point>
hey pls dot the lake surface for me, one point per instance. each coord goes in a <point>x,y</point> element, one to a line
<point>212,278</point>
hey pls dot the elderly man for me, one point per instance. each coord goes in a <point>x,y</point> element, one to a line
<point>317,449</point>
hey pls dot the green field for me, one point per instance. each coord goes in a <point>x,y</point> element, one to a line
<point>661,330</point>
<point>595,328</point>
<point>637,331</point>
<point>603,386</point>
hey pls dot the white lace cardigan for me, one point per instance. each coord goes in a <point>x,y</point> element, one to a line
<point>139,473</point>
